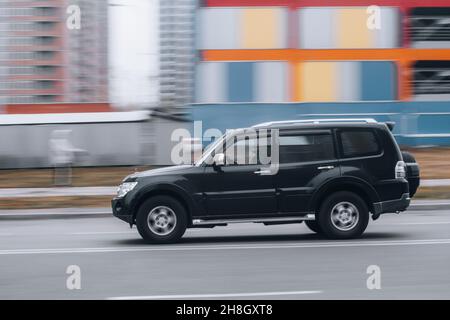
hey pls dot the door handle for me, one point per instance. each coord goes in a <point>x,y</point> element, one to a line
<point>262,172</point>
<point>326,168</point>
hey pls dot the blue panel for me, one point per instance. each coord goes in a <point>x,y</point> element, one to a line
<point>427,123</point>
<point>378,81</point>
<point>240,82</point>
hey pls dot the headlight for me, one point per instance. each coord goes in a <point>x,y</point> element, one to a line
<point>124,188</point>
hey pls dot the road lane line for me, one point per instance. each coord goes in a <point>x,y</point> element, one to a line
<point>215,295</point>
<point>100,232</point>
<point>417,223</point>
<point>224,247</point>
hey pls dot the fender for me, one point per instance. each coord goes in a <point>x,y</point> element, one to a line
<point>343,183</point>
<point>165,188</point>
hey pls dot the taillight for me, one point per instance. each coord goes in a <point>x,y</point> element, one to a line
<point>400,170</point>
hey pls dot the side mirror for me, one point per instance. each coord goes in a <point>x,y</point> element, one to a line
<point>219,160</point>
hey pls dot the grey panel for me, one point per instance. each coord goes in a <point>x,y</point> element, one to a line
<point>317,28</point>
<point>283,25</point>
<point>389,34</point>
<point>218,28</point>
<point>210,83</point>
<point>271,83</point>
<point>348,81</point>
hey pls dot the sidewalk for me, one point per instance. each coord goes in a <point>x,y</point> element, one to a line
<point>55,213</point>
<point>57,192</point>
<point>435,183</point>
<point>110,191</point>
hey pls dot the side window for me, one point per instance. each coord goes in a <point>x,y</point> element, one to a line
<point>246,151</point>
<point>304,148</point>
<point>357,143</point>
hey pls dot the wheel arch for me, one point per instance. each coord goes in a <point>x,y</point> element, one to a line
<point>165,190</point>
<point>351,184</point>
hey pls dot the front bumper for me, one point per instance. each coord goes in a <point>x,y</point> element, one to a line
<point>396,205</point>
<point>121,210</point>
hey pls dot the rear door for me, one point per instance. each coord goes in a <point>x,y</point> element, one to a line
<point>363,156</point>
<point>307,159</point>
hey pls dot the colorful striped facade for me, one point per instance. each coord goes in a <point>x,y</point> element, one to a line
<point>271,51</point>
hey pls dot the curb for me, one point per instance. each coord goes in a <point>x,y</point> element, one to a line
<point>72,213</point>
<point>417,205</point>
<point>58,213</point>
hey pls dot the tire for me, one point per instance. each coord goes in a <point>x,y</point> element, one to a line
<point>352,220</point>
<point>413,179</point>
<point>161,219</point>
<point>313,226</point>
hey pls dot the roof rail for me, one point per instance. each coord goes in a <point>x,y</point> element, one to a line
<point>314,121</point>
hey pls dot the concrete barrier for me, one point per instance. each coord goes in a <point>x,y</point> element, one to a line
<point>110,138</point>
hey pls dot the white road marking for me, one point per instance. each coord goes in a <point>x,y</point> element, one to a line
<point>101,232</point>
<point>418,223</point>
<point>215,295</point>
<point>226,247</point>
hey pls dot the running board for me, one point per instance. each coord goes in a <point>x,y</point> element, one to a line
<point>199,222</point>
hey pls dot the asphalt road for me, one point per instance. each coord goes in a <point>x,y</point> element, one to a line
<point>244,261</point>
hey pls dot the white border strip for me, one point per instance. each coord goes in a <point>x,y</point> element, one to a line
<point>216,295</point>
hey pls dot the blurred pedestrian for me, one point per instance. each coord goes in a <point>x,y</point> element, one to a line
<point>62,156</point>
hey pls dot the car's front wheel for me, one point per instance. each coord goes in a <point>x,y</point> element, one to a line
<point>161,219</point>
<point>343,215</point>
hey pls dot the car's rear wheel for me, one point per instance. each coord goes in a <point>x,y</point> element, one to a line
<point>343,215</point>
<point>313,226</point>
<point>161,219</point>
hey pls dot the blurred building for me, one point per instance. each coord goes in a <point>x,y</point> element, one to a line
<point>177,53</point>
<point>319,51</point>
<point>261,60</point>
<point>43,61</point>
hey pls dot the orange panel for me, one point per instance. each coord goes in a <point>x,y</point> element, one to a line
<point>327,55</point>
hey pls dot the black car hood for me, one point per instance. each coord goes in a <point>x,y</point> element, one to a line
<point>160,171</point>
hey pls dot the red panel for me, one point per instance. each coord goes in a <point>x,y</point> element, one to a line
<point>327,3</point>
<point>245,3</point>
<point>57,108</point>
<point>425,3</point>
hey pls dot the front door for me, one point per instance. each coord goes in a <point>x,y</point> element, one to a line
<point>238,187</point>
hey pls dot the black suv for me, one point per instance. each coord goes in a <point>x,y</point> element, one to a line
<point>331,174</point>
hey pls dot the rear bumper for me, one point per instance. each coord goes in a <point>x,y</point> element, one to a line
<point>395,205</point>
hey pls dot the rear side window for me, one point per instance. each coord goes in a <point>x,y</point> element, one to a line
<point>358,143</point>
<point>305,148</point>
